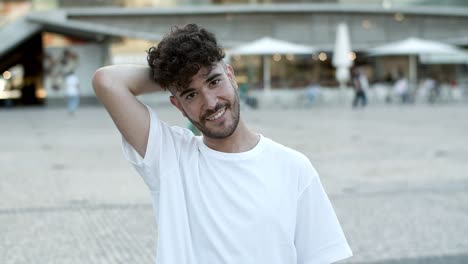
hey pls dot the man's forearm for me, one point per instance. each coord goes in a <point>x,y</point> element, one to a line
<point>116,87</point>
<point>136,78</point>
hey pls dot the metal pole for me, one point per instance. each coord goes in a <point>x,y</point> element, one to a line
<point>413,68</point>
<point>266,73</point>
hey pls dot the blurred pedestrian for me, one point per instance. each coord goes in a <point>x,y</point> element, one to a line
<point>426,89</point>
<point>360,84</point>
<point>72,91</point>
<point>231,195</point>
<point>312,91</point>
<point>401,89</point>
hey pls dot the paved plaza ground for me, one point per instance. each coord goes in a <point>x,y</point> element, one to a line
<point>397,177</point>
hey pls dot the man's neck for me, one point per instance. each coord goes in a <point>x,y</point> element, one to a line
<point>240,141</point>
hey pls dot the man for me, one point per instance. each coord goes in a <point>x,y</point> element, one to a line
<point>401,88</point>
<point>72,91</point>
<point>230,195</point>
<point>360,84</point>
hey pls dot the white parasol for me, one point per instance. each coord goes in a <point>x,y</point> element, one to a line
<point>266,47</point>
<point>414,47</point>
<point>341,54</point>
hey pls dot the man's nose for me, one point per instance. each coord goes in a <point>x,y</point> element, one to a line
<point>210,99</point>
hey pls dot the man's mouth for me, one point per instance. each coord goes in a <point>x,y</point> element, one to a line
<point>216,115</point>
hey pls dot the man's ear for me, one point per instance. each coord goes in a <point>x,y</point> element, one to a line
<point>230,73</point>
<point>175,102</point>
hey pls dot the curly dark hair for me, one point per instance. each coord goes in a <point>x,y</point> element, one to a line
<point>181,54</point>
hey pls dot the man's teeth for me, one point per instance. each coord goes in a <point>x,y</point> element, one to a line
<point>217,115</point>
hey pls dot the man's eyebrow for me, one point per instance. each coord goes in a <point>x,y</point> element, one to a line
<point>212,77</point>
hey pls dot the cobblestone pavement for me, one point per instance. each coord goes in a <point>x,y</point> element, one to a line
<point>397,176</point>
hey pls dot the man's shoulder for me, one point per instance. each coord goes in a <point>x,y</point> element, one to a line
<point>290,162</point>
<point>284,152</point>
<point>160,128</point>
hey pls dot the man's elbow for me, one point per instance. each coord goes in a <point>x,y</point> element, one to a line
<point>100,80</point>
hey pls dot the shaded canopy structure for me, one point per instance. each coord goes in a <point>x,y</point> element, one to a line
<point>414,48</point>
<point>266,47</point>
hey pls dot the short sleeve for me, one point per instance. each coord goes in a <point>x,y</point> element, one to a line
<point>319,238</point>
<point>161,143</point>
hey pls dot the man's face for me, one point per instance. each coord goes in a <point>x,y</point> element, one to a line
<point>211,101</point>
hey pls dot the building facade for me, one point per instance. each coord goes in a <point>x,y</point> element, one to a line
<point>103,24</point>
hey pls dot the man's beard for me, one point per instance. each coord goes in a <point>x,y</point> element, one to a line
<point>220,133</point>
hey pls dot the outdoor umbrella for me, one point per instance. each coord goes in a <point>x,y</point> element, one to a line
<point>414,47</point>
<point>341,59</point>
<point>266,47</point>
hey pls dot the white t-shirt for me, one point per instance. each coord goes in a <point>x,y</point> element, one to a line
<point>262,206</point>
<point>72,84</point>
<point>401,86</point>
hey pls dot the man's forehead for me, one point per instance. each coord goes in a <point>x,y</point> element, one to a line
<point>205,72</point>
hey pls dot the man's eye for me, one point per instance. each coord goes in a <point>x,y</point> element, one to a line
<point>190,96</point>
<point>215,82</point>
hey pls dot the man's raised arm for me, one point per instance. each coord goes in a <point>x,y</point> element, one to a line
<point>117,87</point>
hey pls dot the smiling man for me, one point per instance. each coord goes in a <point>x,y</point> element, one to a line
<point>213,107</point>
<point>230,195</point>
